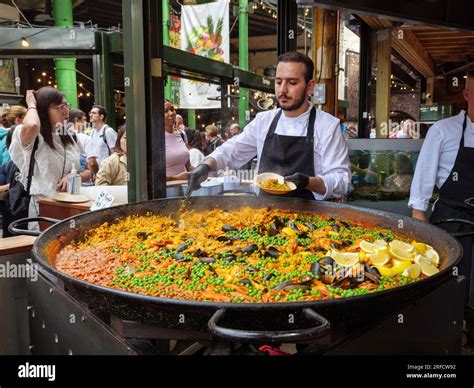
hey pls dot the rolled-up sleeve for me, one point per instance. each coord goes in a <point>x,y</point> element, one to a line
<point>426,170</point>
<point>239,150</point>
<point>333,165</point>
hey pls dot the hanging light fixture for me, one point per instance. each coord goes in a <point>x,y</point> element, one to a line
<point>24,43</point>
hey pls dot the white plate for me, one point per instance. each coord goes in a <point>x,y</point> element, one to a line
<point>259,179</point>
<point>70,198</point>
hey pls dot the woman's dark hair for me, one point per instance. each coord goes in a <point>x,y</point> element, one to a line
<point>45,97</point>
<point>121,131</point>
<point>198,141</point>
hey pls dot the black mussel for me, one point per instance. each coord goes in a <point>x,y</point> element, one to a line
<point>278,222</point>
<point>371,277</point>
<point>268,277</point>
<point>372,274</point>
<point>345,243</point>
<point>327,261</point>
<point>245,282</point>
<point>249,248</point>
<point>223,238</point>
<point>303,235</point>
<point>230,258</point>
<point>178,256</point>
<point>317,249</point>
<point>331,219</point>
<point>182,248</point>
<point>272,252</point>
<point>345,224</point>
<point>310,226</point>
<point>228,228</point>
<point>205,260</point>
<point>199,253</point>
<point>334,245</point>
<point>290,285</point>
<point>272,230</point>
<point>293,226</point>
<point>315,269</point>
<point>251,269</point>
<point>142,235</point>
<point>336,228</point>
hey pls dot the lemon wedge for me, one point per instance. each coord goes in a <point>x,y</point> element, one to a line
<point>432,256</point>
<point>421,247</point>
<point>412,272</point>
<point>399,268</point>
<point>428,269</point>
<point>380,244</point>
<point>345,259</point>
<point>367,247</point>
<point>385,271</point>
<point>379,258</point>
<point>401,254</point>
<point>402,246</point>
<point>421,259</point>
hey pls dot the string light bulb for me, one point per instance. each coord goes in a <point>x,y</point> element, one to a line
<point>24,43</point>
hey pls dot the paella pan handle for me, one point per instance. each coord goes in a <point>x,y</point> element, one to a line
<point>456,221</point>
<point>13,227</point>
<point>321,328</point>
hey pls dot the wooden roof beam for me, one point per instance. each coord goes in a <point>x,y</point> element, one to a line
<point>409,47</point>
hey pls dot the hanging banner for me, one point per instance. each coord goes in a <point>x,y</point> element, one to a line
<point>204,32</point>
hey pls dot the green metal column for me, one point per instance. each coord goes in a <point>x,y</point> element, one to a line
<point>192,119</point>
<point>243,58</point>
<point>166,41</point>
<point>65,68</point>
<point>103,77</point>
<point>134,54</point>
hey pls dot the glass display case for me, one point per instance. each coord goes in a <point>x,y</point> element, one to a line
<point>382,172</point>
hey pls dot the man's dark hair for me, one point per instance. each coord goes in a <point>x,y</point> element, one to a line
<point>470,73</point>
<point>294,56</point>
<point>101,109</point>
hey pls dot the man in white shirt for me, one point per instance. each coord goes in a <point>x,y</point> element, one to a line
<point>297,141</point>
<point>103,136</point>
<point>447,161</point>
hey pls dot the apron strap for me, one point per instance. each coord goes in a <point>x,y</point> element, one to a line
<point>461,144</point>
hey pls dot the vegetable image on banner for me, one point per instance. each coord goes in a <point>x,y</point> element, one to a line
<point>205,32</point>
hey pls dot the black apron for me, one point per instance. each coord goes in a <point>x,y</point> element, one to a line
<point>287,155</point>
<point>456,201</point>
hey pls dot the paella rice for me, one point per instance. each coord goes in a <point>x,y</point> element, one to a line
<point>246,256</point>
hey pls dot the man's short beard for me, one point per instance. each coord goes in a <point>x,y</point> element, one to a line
<point>296,105</point>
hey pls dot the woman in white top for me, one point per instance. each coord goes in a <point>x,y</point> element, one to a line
<point>196,148</point>
<point>45,120</point>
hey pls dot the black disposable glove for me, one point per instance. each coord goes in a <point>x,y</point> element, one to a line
<point>196,177</point>
<point>299,179</point>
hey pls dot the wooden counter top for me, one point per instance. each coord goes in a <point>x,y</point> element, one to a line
<point>16,244</point>
<point>79,206</point>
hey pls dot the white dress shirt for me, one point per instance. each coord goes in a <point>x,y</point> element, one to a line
<point>331,158</point>
<point>437,157</point>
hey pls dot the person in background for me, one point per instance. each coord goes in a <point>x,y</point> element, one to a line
<point>177,154</point>
<point>78,121</point>
<point>407,128</point>
<point>45,125</point>
<point>196,148</point>
<point>103,136</point>
<point>234,130</point>
<point>181,128</point>
<point>403,176</point>
<point>11,117</point>
<point>113,170</point>
<point>213,139</point>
